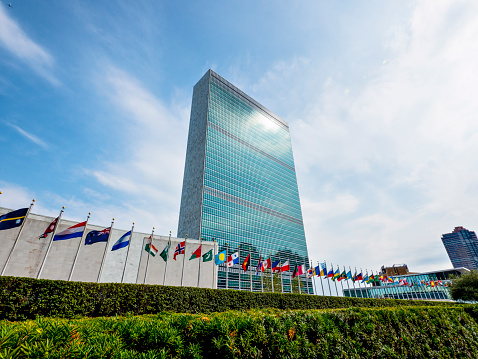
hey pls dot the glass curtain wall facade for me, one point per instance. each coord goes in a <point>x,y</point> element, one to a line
<point>240,186</point>
<point>462,248</point>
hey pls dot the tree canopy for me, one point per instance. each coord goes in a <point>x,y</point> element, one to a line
<point>465,287</point>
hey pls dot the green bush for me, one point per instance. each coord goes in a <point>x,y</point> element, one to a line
<point>26,298</point>
<point>395,332</point>
<point>465,287</point>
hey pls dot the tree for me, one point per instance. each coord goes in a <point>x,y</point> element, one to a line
<point>465,287</point>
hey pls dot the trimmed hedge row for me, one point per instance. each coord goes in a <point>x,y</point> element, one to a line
<point>26,298</point>
<point>397,332</point>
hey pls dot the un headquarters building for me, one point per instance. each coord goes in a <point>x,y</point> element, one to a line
<point>240,186</point>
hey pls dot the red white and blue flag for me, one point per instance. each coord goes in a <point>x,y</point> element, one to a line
<point>50,228</point>
<point>97,236</point>
<point>266,264</point>
<point>259,266</point>
<point>233,259</point>
<point>179,249</point>
<point>72,232</point>
<point>276,266</point>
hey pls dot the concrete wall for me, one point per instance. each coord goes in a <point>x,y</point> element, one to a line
<point>29,252</point>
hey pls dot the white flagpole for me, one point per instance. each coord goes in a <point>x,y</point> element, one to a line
<point>200,258</point>
<point>184,257</point>
<point>127,253</point>
<point>280,272</point>
<point>262,282</point>
<point>106,250</point>
<point>167,257</point>
<point>272,276</point>
<point>18,236</point>
<point>320,276</point>
<point>78,250</point>
<point>361,294</point>
<point>327,276</point>
<point>226,270</point>
<point>147,260</point>
<point>250,266</point>
<point>49,244</point>
<point>312,279</point>
<point>214,264</point>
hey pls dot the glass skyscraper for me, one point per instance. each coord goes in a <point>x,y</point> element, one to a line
<point>240,186</point>
<point>462,248</point>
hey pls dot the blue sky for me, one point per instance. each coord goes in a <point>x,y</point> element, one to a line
<point>380,99</point>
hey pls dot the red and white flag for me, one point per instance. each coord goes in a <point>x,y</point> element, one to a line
<point>285,267</point>
<point>50,229</point>
<point>266,264</point>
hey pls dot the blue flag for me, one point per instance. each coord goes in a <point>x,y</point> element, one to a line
<point>13,219</point>
<point>97,236</point>
<point>122,242</point>
<point>220,257</point>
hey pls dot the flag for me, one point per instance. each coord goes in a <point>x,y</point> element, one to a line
<point>365,279</point>
<point>72,232</point>
<point>336,274</point>
<point>179,249</point>
<point>122,242</point>
<point>246,263</point>
<point>206,257</point>
<point>13,219</point>
<point>276,266</point>
<point>196,253</point>
<point>310,272</point>
<point>323,270</point>
<point>266,264</point>
<point>259,265</point>
<point>233,259</point>
<point>150,248</point>
<point>220,257</point>
<point>285,267</point>
<point>298,270</point>
<point>359,277</point>
<point>316,270</point>
<point>343,275</point>
<point>330,274</point>
<point>50,228</point>
<point>390,279</point>
<point>164,252</point>
<point>97,236</point>
<point>349,275</point>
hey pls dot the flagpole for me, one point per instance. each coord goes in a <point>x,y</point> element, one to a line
<point>361,293</point>
<point>280,273</point>
<point>347,279</point>
<point>327,276</point>
<point>78,250</point>
<point>127,253</point>
<point>227,271</point>
<point>320,270</point>
<point>18,236</point>
<point>184,257</point>
<point>49,244</point>
<point>335,282</point>
<point>200,258</point>
<point>262,282</point>
<point>250,266</point>
<point>272,277</point>
<point>353,281</point>
<point>147,260</point>
<point>106,250</point>
<point>214,264</point>
<point>312,279</point>
<point>167,255</point>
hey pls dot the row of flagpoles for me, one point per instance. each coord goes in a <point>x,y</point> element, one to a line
<point>334,274</point>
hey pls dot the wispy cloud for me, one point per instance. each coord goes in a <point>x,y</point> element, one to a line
<point>401,141</point>
<point>17,42</point>
<point>29,136</point>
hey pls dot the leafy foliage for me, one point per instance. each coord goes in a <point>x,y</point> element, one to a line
<point>465,287</point>
<point>26,298</point>
<point>395,332</point>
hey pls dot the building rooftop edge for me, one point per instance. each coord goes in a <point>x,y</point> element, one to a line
<point>248,98</point>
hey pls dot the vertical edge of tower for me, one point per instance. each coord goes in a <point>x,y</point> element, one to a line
<point>193,180</point>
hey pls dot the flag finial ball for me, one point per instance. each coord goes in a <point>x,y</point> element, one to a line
<point>33,199</point>
<point>63,207</point>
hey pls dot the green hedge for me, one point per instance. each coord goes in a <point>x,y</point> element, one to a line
<point>397,332</point>
<point>26,298</point>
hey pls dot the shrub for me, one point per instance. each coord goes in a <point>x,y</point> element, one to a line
<point>26,298</point>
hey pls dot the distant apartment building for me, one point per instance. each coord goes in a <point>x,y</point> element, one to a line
<point>462,248</point>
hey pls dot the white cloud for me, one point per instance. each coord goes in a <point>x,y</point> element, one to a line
<point>29,136</point>
<point>14,39</point>
<point>402,143</point>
